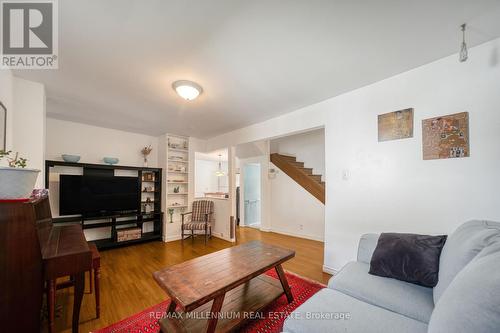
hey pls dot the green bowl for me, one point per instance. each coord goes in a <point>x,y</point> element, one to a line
<point>110,160</point>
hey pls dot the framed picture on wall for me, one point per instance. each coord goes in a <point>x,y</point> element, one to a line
<point>3,127</point>
<point>395,125</point>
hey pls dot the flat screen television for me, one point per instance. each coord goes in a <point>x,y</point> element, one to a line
<point>98,195</point>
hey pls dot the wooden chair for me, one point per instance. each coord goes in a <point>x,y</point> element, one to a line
<point>201,218</point>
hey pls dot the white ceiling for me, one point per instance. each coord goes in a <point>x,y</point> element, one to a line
<point>255,59</point>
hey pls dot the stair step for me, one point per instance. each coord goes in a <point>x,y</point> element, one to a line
<point>316,177</point>
<point>297,164</point>
<point>303,176</point>
<point>289,158</point>
<point>308,171</point>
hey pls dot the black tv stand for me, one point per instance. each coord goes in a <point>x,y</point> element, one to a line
<point>118,220</point>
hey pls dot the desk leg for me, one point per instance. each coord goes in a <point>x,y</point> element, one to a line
<point>214,313</point>
<point>79,287</point>
<point>51,303</point>
<point>97,278</point>
<point>284,283</point>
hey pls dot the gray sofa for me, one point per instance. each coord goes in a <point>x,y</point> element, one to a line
<point>466,298</point>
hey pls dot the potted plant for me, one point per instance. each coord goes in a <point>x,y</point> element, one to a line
<point>16,181</point>
<point>171,213</point>
<point>145,152</point>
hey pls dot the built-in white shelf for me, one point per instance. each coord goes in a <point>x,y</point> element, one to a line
<point>177,158</point>
<point>180,150</point>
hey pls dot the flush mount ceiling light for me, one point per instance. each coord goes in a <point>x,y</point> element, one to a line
<point>187,89</point>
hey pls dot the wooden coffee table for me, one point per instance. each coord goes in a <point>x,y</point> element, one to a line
<point>221,290</point>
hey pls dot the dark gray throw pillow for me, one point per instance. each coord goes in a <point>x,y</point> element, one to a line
<point>408,257</point>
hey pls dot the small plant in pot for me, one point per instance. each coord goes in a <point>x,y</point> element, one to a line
<point>16,181</point>
<point>171,213</point>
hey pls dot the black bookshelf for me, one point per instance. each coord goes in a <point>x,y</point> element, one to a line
<point>147,211</point>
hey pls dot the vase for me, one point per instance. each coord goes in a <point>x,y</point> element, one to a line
<point>145,162</point>
<point>17,183</point>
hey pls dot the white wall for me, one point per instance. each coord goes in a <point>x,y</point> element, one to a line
<point>28,130</point>
<point>310,117</point>
<point>6,97</point>
<point>308,147</point>
<point>93,143</point>
<point>390,187</point>
<point>294,211</point>
<point>25,103</point>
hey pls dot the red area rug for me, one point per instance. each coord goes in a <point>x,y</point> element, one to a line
<point>302,290</point>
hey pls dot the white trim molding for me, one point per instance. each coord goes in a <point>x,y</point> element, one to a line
<point>330,270</point>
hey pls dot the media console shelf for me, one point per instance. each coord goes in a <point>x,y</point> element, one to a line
<point>148,205</point>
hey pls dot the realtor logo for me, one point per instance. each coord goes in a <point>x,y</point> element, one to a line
<point>29,34</point>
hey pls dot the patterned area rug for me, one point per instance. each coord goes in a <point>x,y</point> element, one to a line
<point>302,290</point>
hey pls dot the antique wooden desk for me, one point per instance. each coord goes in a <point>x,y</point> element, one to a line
<point>66,252</point>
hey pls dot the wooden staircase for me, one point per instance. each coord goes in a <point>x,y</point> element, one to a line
<point>303,176</point>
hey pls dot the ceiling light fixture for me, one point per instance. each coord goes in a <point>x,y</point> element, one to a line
<point>219,172</point>
<point>463,48</point>
<point>187,89</point>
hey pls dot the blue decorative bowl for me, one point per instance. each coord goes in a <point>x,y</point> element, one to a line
<point>110,160</point>
<point>70,158</point>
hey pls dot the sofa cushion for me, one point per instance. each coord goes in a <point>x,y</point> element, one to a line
<point>471,303</point>
<point>460,248</point>
<point>405,298</point>
<point>408,257</point>
<point>366,246</point>
<point>343,313</point>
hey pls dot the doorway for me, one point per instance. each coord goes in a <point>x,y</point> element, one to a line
<point>252,195</point>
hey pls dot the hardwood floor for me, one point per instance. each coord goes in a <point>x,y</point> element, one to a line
<point>127,285</point>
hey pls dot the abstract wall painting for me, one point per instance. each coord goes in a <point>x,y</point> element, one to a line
<point>446,136</point>
<point>395,125</point>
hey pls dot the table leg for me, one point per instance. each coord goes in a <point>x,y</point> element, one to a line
<point>79,287</point>
<point>284,283</point>
<point>214,313</point>
<point>171,307</point>
<point>51,303</point>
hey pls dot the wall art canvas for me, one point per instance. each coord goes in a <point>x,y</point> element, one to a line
<point>3,126</point>
<point>395,125</point>
<point>446,136</point>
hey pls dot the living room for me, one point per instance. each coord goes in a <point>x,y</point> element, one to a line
<point>318,166</point>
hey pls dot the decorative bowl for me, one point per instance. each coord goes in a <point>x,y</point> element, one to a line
<point>70,158</point>
<point>110,160</point>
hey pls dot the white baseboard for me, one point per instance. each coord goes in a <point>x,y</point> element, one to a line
<point>171,238</point>
<point>297,235</point>
<point>330,270</point>
<point>218,235</point>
